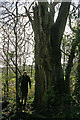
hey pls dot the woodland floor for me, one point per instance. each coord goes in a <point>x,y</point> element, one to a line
<point>27,113</point>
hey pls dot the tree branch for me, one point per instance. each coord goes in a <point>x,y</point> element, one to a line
<point>27,13</point>
<point>62,18</point>
<point>71,25</point>
<point>8,64</point>
<point>64,52</point>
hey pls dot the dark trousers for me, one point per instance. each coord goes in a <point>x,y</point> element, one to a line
<point>24,97</point>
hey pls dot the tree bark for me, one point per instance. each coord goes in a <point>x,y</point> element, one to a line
<point>49,73</point>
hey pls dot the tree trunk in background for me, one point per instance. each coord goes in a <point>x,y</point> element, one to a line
<point>16,43</point>
<point>24,59</point>
<point>48,37</point>
<point>7,69</point>
<point>78,69</point>
<point>78,35</point>
<point>31,69</point>
<point>68,68</point>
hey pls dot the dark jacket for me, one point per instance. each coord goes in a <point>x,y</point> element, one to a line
<point>24,84</point>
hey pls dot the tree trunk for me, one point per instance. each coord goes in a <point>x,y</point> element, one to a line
<point>48,35</point>
<point>68,69</point>
<point>78,68</point>
<point>16,44</point>
<point>79,52</point>
<point>7,69</point>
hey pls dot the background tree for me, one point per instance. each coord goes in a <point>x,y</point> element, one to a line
<point>74,18</point>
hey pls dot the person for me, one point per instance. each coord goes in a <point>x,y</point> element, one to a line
<point>25,79</point>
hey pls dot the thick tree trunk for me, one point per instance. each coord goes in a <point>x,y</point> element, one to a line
<point>49,73</point>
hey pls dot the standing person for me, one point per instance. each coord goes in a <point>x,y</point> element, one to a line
<point>25,79</point>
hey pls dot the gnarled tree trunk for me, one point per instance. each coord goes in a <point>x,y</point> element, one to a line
<point>48,35</point>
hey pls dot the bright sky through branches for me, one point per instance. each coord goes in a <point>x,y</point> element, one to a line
<point>76,1</point>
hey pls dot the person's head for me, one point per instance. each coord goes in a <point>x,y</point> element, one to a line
<point>25,73</point>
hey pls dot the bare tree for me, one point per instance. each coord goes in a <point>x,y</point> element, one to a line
<point>17,36</point>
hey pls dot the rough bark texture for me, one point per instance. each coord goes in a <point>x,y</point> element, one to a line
<point>48,37</point>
